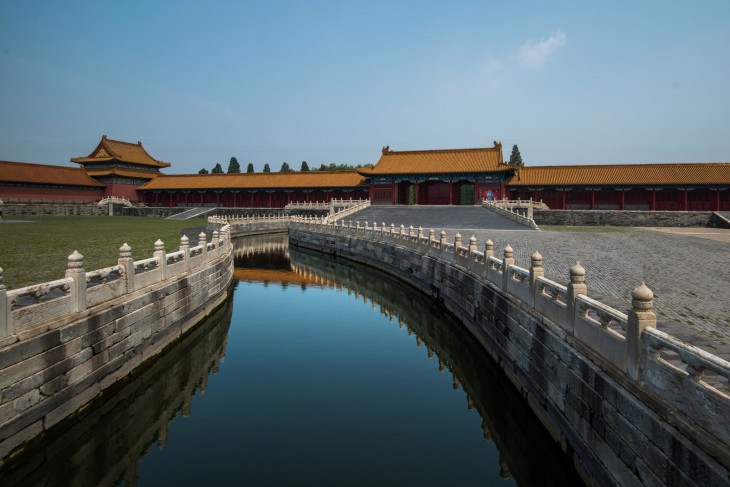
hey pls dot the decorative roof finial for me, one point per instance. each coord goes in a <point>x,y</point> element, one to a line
<point>386,149</point>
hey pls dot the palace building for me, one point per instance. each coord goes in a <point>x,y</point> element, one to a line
<point>121,166</point>
<point>438,177</point>
<point>422,177</point>
<point>649,187</point>
<point>21,182</point>
<point>255,190</point>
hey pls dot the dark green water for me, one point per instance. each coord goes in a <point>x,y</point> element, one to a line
<point>316,372</point>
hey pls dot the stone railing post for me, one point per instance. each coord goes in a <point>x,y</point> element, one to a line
<point>488,250</point>
<point>410,231</point>
<point>457,243</point>
<point>576,287</point>
<point>506,262</point>
<point>127,262</point>
<point>402,231</point>
<point>217,242</point>
<point>442,239</point>
<point>472,245</point>
<point>383,229</point>
<point>161,257</point>
<point>392,230</point>
<point>420,233</point>
<point>76,272</point>
<point>6,325</point>
<point>431,235</point>
<point>640,317</point>
<point>203,242</point>
<point>185,249</point>
<point>536,270</point>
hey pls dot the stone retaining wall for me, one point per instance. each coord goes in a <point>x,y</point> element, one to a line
<point>52,209</point>
<point>153,211</point>
<point>64,342</point>
<point>622,218</point>
<point>629,403</point>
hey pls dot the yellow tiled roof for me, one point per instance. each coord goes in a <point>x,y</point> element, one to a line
<point>623,174</point>
<point>446,161</point>
<point>122,172</point>
<point>265,180</point>
<point>109,150</point>
<point>24,172</point>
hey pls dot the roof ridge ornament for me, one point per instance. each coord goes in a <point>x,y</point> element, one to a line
<point>386,149</point>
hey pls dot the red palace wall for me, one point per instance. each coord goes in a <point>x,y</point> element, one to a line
<point>666,199</point>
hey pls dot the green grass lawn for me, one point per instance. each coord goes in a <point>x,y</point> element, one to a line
<point>37,251</point>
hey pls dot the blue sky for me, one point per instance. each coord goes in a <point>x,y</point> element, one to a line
<point>198,82</point>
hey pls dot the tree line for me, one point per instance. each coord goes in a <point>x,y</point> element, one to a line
<point>515,160</point>
<point>235,168</point>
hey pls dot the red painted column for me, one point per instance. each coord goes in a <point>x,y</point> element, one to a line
<point>562,200</point>
<point>716,200</point>
<point>622,203</point>
<point>157,199</point>
<point>451,192</point>
<point>476,191</point>
<point>394,194</point>
<point>416,191</point>
<point>652,201</point>
<point>269,200</point>
<point>593,199</point>
<point>685,204</point>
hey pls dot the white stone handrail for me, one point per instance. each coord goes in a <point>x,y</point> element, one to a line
<point>30,310</point>
<point>504,208</point>
<point>115,200</point>
<point>351,206</point>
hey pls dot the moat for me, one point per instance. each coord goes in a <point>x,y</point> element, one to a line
<point>316,372</point>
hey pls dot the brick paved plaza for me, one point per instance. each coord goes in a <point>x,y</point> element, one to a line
<point>690,276</point>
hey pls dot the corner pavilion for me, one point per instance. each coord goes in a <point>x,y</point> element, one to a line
<point>121,166</point>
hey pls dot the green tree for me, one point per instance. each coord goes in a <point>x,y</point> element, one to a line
<point>203,171</point>
<point>267,168</point>
<point>515,159</point>
<point>305,167</point>
<point>285,167</point>
<point>233,166</point>
<point>249,168</point>
<point>218,169</point>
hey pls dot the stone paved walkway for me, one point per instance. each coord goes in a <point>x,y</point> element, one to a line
<point>690,276</point>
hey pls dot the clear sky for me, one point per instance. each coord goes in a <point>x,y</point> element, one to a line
<point>333,81</point>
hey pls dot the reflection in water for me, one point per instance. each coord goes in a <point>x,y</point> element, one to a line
<point>104,445</point>
<point>526,450</point>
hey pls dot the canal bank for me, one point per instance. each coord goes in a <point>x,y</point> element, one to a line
<point>623,411</point>
<point>64,342</point>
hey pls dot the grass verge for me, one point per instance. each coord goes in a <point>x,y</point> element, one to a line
<point>37,251</point>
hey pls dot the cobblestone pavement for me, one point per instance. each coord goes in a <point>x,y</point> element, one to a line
<point>690,276</point>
